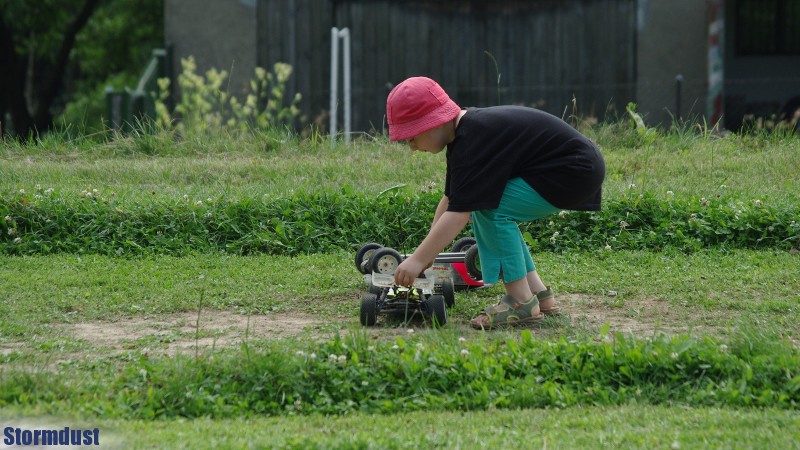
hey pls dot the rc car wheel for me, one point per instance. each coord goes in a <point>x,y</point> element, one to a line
<point>463,244</point>
<point>363,254</point>
<point>369,309</point>
<point>437,310</point>
<point>385,260</point>
<point>473,262</point>
<point>448,292</point>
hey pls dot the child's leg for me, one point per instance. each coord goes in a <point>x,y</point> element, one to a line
<point>547,301</point>
<point>501,245</point>
<point>535,282</point>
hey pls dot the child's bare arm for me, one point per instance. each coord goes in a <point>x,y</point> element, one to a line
<point>443,232</point>
<point>440,209</point>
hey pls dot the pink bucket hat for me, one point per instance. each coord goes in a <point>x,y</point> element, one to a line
<point>416,105</point>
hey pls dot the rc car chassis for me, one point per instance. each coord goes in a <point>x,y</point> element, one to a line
<point>429,296</point>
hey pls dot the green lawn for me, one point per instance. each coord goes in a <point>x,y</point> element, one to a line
<point>626,427</point>
<point>87,319</point>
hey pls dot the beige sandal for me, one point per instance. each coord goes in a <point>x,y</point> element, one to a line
<point>546,295</point>
<point>515,313</point>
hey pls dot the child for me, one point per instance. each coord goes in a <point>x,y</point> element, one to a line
<point>505,164</point>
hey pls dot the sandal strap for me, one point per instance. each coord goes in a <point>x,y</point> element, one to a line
<point>515,308</point>
<point>543,295</point>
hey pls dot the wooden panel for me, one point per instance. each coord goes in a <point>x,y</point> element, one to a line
<point>546,51</point>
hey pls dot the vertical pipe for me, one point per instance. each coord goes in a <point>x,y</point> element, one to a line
<point>345,33</point>
<point>334,81</point>
<point>678,87</point>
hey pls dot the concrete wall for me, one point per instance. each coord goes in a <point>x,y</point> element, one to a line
<point>218,33</point>
<point>672,40</point>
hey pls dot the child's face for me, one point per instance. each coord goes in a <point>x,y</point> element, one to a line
<point>431,141</point>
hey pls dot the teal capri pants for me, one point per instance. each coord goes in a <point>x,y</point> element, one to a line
<point>500,243</point>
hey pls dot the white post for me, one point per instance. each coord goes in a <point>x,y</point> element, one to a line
<point>343,34</point>
<point>334,81</point>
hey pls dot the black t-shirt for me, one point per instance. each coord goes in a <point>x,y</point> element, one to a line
<point>493,145</point>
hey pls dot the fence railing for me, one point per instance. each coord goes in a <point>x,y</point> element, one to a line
<point>126,107</point>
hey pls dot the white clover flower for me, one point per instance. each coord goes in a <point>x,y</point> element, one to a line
<point>209,200</point>
<point>410,331</point>
<point>18,240</point>
<point>395,347</point>
<point>420,346</point>
<point>342,359</point>
<point>703,201</point>
<point>209,215</point>
<point>22,191</point>
<point>623,224</point>
<point>8,218</point>
<point>198,203</point>
<point>462,339</point>
<point>365,383</point>
<point>551,223</point>
<point>563,214</point>
<point>723,348</point>
<point>332,357</point>
<point>554,237</point>
<point>670,193</point>
<point>185,197</point>
<point>757,202</point>
<point>723,186</point>
<point>464,352</point>
<point>631,186</point>
<point>312,356</point>
<point>674,355</point>
<point>300,353</point>
<point>371,348</point>
<point>38,187</point>
<point>607,247</point>
<point>12,231</point>
<point>49,191</point>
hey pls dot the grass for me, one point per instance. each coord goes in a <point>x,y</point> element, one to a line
<point>70,288</point>
<point>739,167</point>
<point>710,287</point>
<point>627,427</point>
<point>142,310</point>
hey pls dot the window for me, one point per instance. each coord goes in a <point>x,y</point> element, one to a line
<point>767,27</point>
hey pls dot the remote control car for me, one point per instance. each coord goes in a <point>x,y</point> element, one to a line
<point>430,294</point>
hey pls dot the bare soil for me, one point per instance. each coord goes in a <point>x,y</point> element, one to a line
<point>178,333</point>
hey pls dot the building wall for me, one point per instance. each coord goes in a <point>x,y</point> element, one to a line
<point>220,34</point>
<point>547,52</point>
<point>672,40</point>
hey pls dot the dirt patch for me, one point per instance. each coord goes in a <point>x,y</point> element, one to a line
<point>175,333</point>
<point>641,318</point>
<point>172,333</point>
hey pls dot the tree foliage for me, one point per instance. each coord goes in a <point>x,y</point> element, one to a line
<point>53,51</point>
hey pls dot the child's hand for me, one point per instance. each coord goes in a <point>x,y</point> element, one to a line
<point>408,270</point>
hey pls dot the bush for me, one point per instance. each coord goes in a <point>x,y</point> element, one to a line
<point>46,222</point>
<point>440,373</point>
